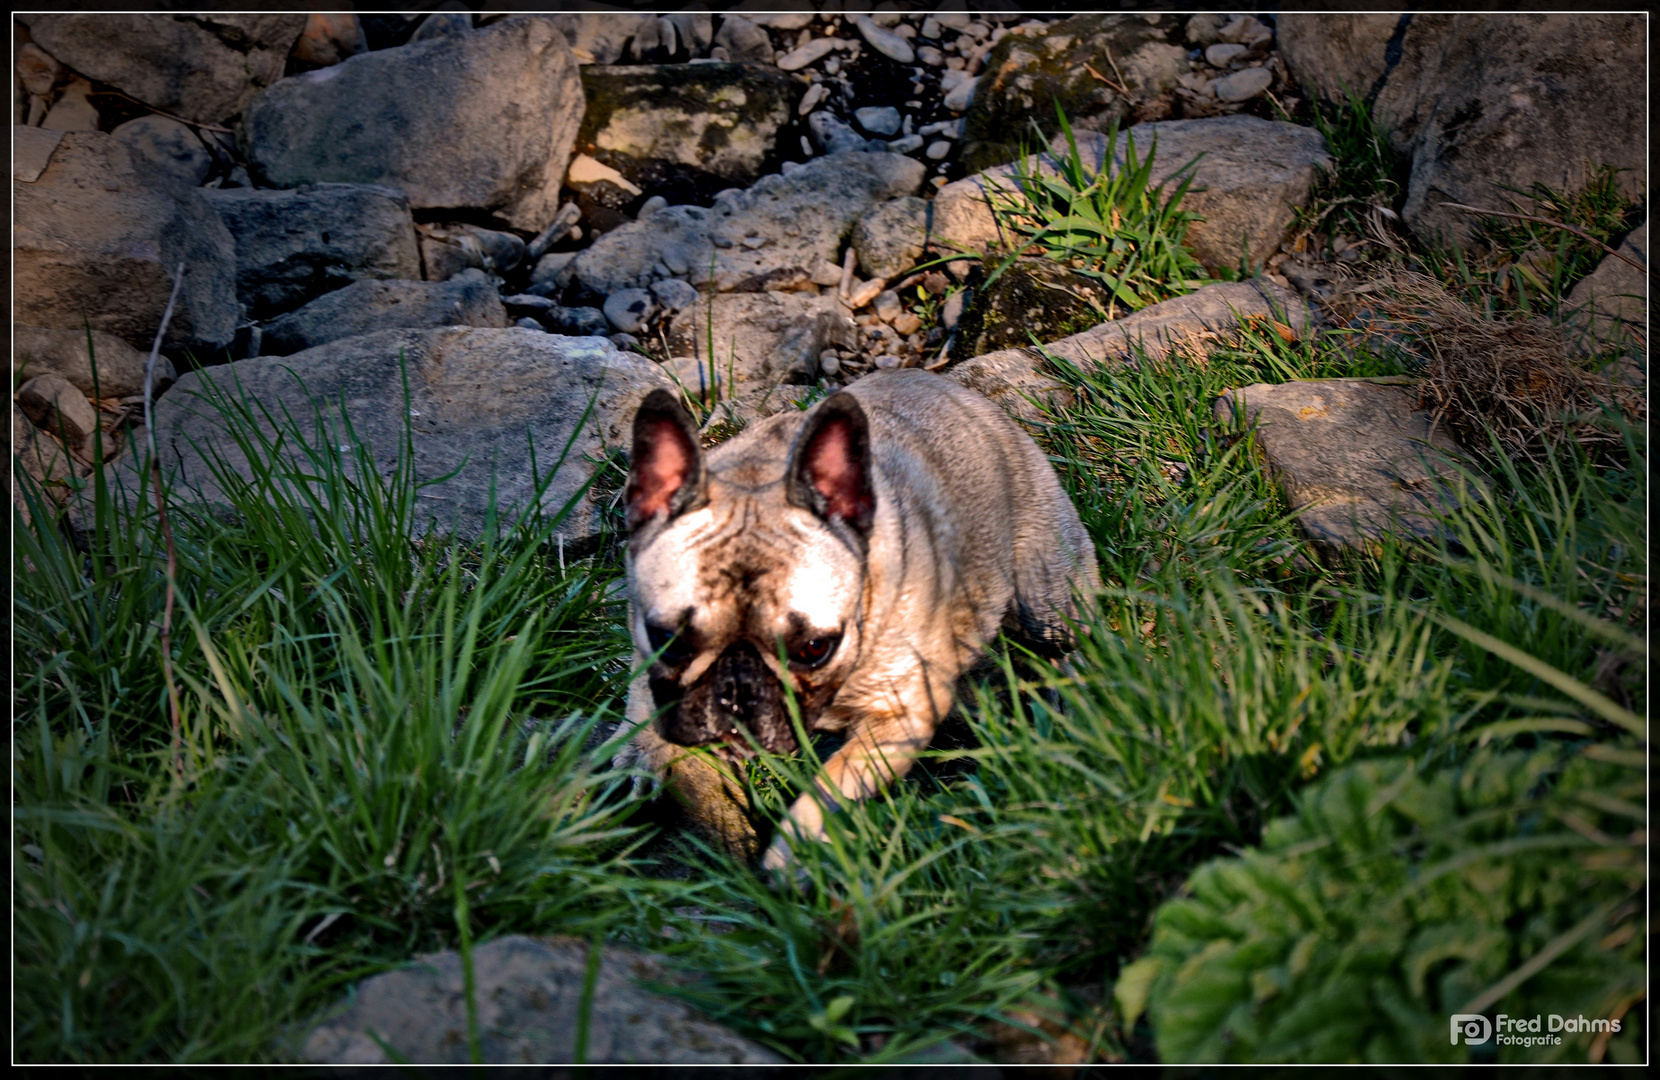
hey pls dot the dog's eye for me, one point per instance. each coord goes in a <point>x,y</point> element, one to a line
<point>812,653</point>
<point>670,645</point>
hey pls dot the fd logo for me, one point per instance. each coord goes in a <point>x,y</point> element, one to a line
<point>1475,1029</point>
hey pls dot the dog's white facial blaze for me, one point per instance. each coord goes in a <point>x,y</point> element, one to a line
<point>665,575</point>
<point>824,586</point>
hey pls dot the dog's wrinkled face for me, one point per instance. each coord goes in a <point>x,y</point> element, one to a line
<point>728,572</point>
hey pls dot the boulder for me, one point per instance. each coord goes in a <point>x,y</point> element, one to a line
<point>1611,305</point>
<point>36,350</point>
<point>99,237</point>
<point>890,237</point>
<point>482,403</point>
<point>1025,75</point>
<point>468,299</point>
<point>529,996</point>
<point>781,223</point>
<point>1356,458</point>
<point>173,148</point>
<point>654,123</point>
<point>483,120</point>
<point>292,246</point>
<point>1252,178</point>
<point>762,339</point>
<point>1483,103</point>
<point>1190,323</point>
<point>194,66</point>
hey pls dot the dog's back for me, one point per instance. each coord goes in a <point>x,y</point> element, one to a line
<point>959,478</point>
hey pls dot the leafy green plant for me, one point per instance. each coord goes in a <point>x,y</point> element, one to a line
<point>1113,224</point>
<point>1398,896</point>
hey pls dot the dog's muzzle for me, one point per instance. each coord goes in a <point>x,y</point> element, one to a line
<point>738,693</point>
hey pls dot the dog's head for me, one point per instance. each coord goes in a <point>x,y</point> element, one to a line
<point>729,570</point>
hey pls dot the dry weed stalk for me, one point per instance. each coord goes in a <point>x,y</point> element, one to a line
<point>1513,375</point>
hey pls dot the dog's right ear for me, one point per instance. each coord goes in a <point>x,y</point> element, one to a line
<point>665,470</point>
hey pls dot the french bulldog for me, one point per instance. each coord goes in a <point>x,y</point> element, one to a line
<point>863,554</point>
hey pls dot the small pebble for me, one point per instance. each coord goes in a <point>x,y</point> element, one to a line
<point>833,65</point>
<point>528,301</point>
<point>674,294</point>
<point>789,167</point>
<point>806,147</point>
<point>754,243</point>
<point>810,99</point>
<point>865,293</point>
<point>939,149</point>
<point>930,56</point>
<point>958,99</point>
<point>830,362</point>
<point>952,79</point>
<point>527,323</point>
<point>810,53</point>
<point>888,306</point>
<point>1243,85</point>
<point>907,145</point>
<point>907,127</point>
<point>878,119</point>
<point>938,181</point>
<point>625,342</point>
<point>948,128</point>
<point>886,42</point>
<point>651,206</point>
<point>1221,55</point>
<point>629,309</point>
<point>887,361</point>
<point>907,323</point>
<point>931,28</point>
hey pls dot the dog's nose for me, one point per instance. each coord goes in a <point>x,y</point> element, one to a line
<point>739,691</point>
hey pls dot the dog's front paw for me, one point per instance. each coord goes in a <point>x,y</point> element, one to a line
<point>645,782</point>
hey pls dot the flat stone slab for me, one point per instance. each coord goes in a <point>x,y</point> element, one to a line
<point>1196,321</point>
<point>1355,457</point>
<point>481,401</point>
<point>528,993</point>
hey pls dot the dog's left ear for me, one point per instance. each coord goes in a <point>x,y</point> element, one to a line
<point>829,471</point>
<point>665,469</point>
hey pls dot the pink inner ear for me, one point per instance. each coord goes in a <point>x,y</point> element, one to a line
<point>833,472</point>
<point>662,473</point>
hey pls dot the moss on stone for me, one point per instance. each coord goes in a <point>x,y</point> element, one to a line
<point>1032,297</point>
<point>1025,76</point>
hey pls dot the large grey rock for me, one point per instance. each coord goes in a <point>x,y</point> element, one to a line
<point>764,339</point>
<point>1484,102</point>
<point>99,237</point>
<point>720,119</point>
<point>1252,178</point>
<point>1611,305</point>
<point>482,401</point>
<point>292,246</point>
<point>484,120</point>
<point>200,67</point>
<point>1190,323</point>
<point>36,350</point>
<point>1355,457</point>
<point>468,299</point>
<point>528,993</point>
<point>790,222</point>
<point>1025,76</point>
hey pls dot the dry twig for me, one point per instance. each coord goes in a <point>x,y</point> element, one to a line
<point>166,531</point>
<point>1581,233</point>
